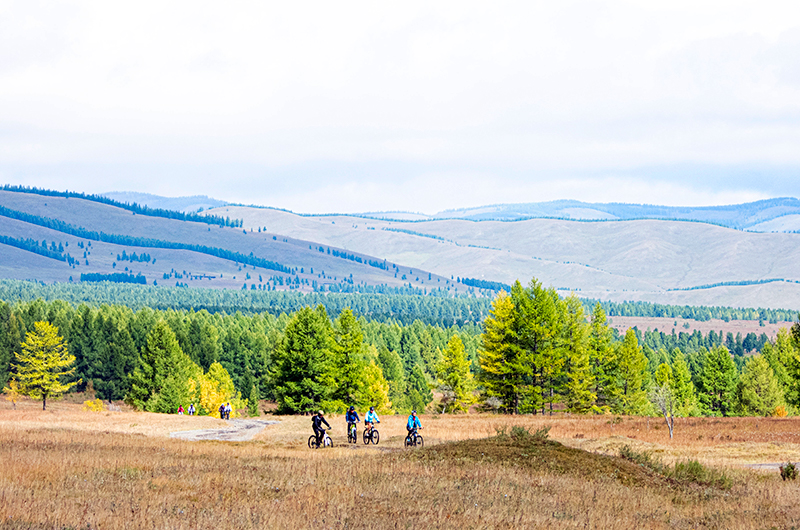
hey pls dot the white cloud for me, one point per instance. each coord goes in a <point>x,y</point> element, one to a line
<point>380,99</point>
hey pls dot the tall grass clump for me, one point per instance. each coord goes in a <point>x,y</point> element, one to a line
<point>684,472</point>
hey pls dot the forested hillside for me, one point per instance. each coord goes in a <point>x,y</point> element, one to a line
<point>530,351</point>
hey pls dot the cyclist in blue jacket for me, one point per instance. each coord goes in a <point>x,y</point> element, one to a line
<point>413,422</point>
<point>352,418</point>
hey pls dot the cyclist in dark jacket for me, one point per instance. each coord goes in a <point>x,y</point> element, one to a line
<point>316,423</point>
<point>352,418</point>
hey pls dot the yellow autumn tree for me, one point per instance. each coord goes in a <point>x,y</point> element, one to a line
<point>42,364</point>
<point>12,392</point>
<point>375,390</point>
<point>215,388</point>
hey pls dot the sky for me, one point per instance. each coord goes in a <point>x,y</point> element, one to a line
<point>412,106</point>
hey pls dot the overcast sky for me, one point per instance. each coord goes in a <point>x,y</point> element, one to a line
<point>346,106</point>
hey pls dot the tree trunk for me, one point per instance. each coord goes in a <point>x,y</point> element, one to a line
<point>44,402</point>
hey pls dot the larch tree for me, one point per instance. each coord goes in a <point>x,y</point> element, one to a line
<point>603,359</point>
<point>348,349</point>
<point>758,392</point>
<point>43,363</point>
<point>682,386</point>
<point>578,371</point>
<point>719,378</point>
<point>631,363</point>
<point>498,355</point>
<point>455,379</point>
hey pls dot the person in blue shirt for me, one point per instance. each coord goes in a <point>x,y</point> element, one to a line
<point>413,422</point>
<point>352,418</point>
<point>371,418</point>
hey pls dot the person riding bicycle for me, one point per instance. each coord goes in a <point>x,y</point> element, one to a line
<point>371,418</point>
<point>413,423</point>
<point>316,423</point>
<point>352,418</point>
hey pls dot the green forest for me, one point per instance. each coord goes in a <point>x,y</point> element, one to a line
<point>527,351</point>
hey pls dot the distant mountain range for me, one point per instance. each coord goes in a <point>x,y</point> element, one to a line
<point>769,215</point>
<point>195,203</point>
<point>621,254</point>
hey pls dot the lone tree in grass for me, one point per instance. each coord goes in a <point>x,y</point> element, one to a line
<point>43,362</point>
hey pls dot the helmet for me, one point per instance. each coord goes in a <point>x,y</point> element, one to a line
<point>414,412</point>
<point>352,408</point>
<point>321,413</point>
<point>372,408</point>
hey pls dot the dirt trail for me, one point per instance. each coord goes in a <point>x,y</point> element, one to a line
<point>238,431</point>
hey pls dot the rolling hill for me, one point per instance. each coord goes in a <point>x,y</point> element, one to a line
<point>664,261</point>
<point>95,235</point>
<point>661,261</point>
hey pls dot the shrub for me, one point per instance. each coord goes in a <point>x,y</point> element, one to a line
<point>94,406</point>
<point>520,433</point>
<point>780,412</point>
<point>694,471</point>
<point>642,458</point>
<point>788,471</point>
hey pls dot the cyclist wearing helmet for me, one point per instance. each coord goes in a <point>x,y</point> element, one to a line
<point>316,424</point>
<point>352,418</point>
<point>413,422</point>
<point>371,418</point>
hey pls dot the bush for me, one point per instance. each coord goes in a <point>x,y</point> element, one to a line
<point>788,471</point>
<point>95,406</point>
<point>694,471</point>
<point>521,434</point>
<point>642,458</point>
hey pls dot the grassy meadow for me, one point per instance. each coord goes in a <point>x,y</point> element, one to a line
<point>69,468</point>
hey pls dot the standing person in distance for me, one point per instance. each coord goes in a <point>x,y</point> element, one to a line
<point>228,411</point>
<point>352,418</point>
<point>222,411</point>
<point>316,424</point>
<point>191,409</point>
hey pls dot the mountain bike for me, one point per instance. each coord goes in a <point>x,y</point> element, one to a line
<point>371,434</point>
<point>352,436</point>
<point>326,441</point>
<point>414,439</point>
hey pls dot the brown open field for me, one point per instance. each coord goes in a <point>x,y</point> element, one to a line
<point>67,468</point>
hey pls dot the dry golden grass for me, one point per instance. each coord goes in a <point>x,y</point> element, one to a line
<point>66,468</point>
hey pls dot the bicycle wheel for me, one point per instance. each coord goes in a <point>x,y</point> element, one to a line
<point>407,441</point>
<point>366,437</point>
<point>376,436</point>
<point>327,442</point>
<point>312,442</point>
<point>419,441</point>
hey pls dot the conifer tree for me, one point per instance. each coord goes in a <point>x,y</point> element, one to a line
<point>579,377</point>
<point>304,378</point>
<point>631,397</point>
<point>682,386</point>
<point>603,360</point>
<point>719,379</point>
<point>498,355</point>
<point>758,392</point>
<point>42,363</point>
<point>455,379</point>
<point>375,390</point>
<point>349,357</point>
<point>392,368</point>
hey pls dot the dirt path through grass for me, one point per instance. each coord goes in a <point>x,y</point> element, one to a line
<point>238,431</point>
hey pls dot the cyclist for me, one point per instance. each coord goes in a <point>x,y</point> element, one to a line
<point>371,418</point>
<point>352,418</point>
<point>413,423</point>
<point>316,424</point>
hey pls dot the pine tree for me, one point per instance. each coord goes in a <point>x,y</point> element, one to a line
<point>42,363</point>
<point>419,392</point>
<point>783,358</point>
<point>455,379</point>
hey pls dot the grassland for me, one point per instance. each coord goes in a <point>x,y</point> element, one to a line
<point>67,468</point>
